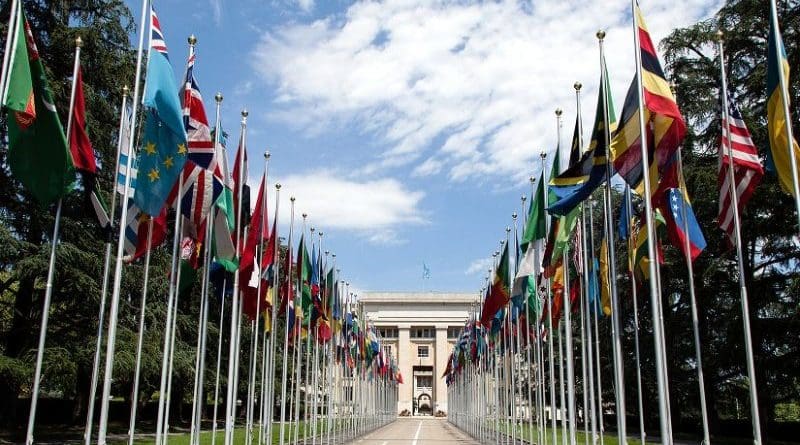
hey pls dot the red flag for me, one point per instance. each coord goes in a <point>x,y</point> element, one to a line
<point>79,144</point>
<point>159,233</point>
<point>250,278</point>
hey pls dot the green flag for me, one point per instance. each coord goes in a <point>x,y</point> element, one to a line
<point>37,154</point>
<point>536,227</point>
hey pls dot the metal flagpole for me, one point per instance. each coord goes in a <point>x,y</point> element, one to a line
<point>315,379</point>
<point>584,279</point>
<point>286,330</point>
<point>233,350</point>
<point>773,9</point>
<point>270,403</point>
<point>561,380</point>
<point>219,357</point>
<point>112,323</point>
<point>172,329</point>
<point>619,371</point>
<point>307,376</point>
<point>634,292</point>
<point>655,301</point>
<point>140,337</point>
<point>593,311</point>
<point>106,268</point>
<point>748,341</point>
<point>600,423</point>
<point>13,15</point>
<point>299,349</point>
<point>52,264</point>
<point>589,241</point>
<point>568,345</point>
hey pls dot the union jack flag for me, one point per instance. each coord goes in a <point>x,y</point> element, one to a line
<point>156,36</point>
<point>201,145</point>
<point>747,169</point>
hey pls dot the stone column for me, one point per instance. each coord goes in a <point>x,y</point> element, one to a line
<point>404,362</point>
<point>441,353</point>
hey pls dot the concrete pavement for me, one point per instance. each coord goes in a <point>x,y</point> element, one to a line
<point>416,431</point>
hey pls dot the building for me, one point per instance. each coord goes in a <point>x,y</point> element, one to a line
<point>419,331</point>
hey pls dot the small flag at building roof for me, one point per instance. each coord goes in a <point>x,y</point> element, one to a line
<point>500,292</point>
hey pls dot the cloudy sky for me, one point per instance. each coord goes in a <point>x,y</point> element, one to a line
<point>407,129</point>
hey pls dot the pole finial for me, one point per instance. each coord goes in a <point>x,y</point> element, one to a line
<point>558,112</point>
<point>543,154</point>
<point>192,40</point>
<point>245,113</point>
<point>673,87</point>
<point>514,215</point>
<point>719,35</point>
<point>601,35</point>
<point>125,90</point>
<point>321,233</point>
<point>267,154</point>
<point>218,97</point>
<point>577,86</point>
<point>278,186</point>
<point>291,198</point>
<point>78,42</point>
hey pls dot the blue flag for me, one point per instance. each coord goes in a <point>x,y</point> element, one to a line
<point>163,152</point>
<point>678,204</point>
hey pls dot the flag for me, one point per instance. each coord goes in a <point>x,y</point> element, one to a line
<point>665,126</point>
<point>590,171</point>
<point>500,292</point>
<point>536,224</point>
<point>304,275</point>
<point>224,222</point>
<point>639,255</point>
<point>124,145</point>
<point>605,286</point>
<point>678,203</point>
<point>747,170</point>
<point>137,227</point>
<point>163,152</point>
<point>240,180</point>
<point>37,149</point>
<point>624,219</point>
<point>79,144</point>
<point>249,272</point>
<point>778,156</point>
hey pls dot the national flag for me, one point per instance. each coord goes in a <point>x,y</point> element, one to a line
<point>624,218</point>
<point>163,152</point>
<point>304,275</point>
<point>137,227</point>
<point>677,204</point>
<point>249,273</point>
<point>747,170</point>
<point>605,286</point>
<point>778,156</point>
<point>240,181</point>
<point>37,149</point>
<point>639,255</point>
<point>79,144</point>
<point>664,123</point>
<point>500,292</point>
<point>581,179</point>
<point>124,145</point>
<point>224,221</point>
<point>536,224</point>
<point>200,143</point>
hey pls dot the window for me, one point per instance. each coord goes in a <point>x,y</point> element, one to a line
<point>453,332</point>
<point>387,332</point>
<point>387,351</point>
<point>422,351</point>
<point>424,381</point>
<point>423,333</point>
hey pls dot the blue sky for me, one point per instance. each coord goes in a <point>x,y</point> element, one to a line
<point>407,129</point>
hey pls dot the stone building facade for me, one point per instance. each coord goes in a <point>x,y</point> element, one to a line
<point>419,331</point>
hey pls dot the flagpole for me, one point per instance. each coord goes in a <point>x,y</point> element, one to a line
<point>104,292</point>
<point>275,304</point>
<point>748,340</point>
<point>12,26</point>
<point>315,378</point>
<point>286,330</point>
<point>113,311</point>
<point>233,350</point>
<point>51,265</point>
<point>655,302</point>
<point>140,337</point>
<point>619,363</point>
<point>584,295</point>
<point>219,356</point>
<point>306,378</point>
<point>773,9</point>
<point>634,294</point>
<point>589,241</point>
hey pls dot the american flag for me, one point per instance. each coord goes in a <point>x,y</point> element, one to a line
<point>747,167</point>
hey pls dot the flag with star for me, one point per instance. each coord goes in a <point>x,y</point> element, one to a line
<point>163,152</point>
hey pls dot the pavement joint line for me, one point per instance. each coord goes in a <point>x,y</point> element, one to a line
<point>416,436</point>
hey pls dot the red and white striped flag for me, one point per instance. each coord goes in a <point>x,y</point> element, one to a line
<point>747,167</point>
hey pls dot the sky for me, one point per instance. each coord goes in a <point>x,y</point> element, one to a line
<point>407,130</point>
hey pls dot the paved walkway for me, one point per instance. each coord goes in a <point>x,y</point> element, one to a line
<point>415,431</point>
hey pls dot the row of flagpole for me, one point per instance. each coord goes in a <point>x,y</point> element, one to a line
<point>479,361</point>
<point>358,388</point>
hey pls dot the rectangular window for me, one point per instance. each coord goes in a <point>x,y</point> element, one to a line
<point>422,351</point>
<point>453,332</point>
<point>387,351</point>
<point>424,381</point>
<point>387,332</point>
<point>423,333</point>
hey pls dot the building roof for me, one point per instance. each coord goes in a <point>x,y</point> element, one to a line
<point>417,297</point>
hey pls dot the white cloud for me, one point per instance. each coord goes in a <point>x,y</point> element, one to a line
<point>461,88</point>
<point>479,266</point>
<point>376,210</point>
<point>306,5</point>
<point>216,9</point>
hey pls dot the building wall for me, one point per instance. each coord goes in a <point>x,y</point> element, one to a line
<point>405,312</point>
